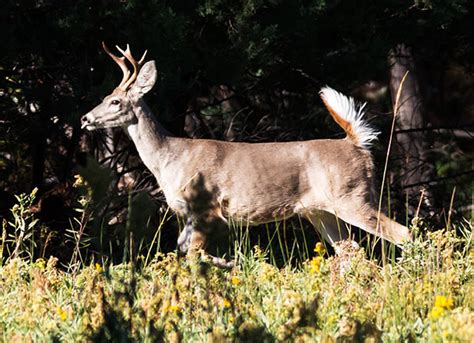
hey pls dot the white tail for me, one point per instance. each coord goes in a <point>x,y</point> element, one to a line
<point>209,181</point>
<point>349,115</point>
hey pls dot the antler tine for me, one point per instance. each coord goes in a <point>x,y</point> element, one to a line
<point>136,65</point>
<point>121,63</point>
<point>140,63</point>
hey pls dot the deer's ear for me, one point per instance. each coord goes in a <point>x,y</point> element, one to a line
<point>145,80</point>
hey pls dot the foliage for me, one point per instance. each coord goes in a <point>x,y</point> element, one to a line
<point>425,295</point>
<point>270,56</point>
<point>22,240</point>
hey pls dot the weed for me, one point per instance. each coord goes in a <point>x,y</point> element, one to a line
<point>424,294</point>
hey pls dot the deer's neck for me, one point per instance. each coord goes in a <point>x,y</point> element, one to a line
<point>150,138</point>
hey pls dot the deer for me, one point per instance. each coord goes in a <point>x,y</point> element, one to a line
<point>324,180</point>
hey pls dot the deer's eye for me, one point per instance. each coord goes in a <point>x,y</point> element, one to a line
<point>115,102</point>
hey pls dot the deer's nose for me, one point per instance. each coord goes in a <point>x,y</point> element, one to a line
<point>86,120</point>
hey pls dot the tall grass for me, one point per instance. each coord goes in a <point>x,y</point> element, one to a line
<point>280,290</point>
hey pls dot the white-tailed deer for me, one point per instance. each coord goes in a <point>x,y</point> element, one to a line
<point>253,183</point>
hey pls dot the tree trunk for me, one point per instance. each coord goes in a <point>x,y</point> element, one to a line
<point>412,146</point>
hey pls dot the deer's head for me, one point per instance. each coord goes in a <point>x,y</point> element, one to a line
<point>117,109</point>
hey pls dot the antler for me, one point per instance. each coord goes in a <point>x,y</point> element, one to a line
<point>127,80</point>
<point>121,63</point>
<point>136,65</point>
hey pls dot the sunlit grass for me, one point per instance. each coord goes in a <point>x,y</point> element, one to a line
<point>425,295</point>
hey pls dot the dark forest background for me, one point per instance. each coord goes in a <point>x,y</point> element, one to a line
<point>230,70</point>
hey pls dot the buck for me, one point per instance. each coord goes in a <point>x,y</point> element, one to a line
<point>321,180</point>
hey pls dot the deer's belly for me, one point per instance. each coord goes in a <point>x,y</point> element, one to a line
<point>257,211</point>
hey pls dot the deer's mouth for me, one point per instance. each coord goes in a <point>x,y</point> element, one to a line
<point>88,127</point>
<point>88,122</point>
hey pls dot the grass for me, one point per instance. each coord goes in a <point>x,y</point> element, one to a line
<point>423,293</point>
<point>426,294</point>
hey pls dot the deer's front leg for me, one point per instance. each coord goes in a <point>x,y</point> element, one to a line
<point>191,239</point>
<point>184,239</point>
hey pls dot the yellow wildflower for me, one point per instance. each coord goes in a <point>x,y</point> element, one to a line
<point>98,268</point>
<point>61,313</point>
<point>315,264</point>
<point>258,251</point>
<point>444,302</point>
<point>446,334</point>
<point>436,312</point>
<point>332,319</point>
<point>79,181</point>
<point>226,303</point>
<point>174,308</point>
<point>320,249</point>
<point>41,263</point>
<point>235,281</point>
<point>84,201</point>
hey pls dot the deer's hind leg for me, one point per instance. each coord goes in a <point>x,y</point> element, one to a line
<point>365,216</point>
<point>329,226</point>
